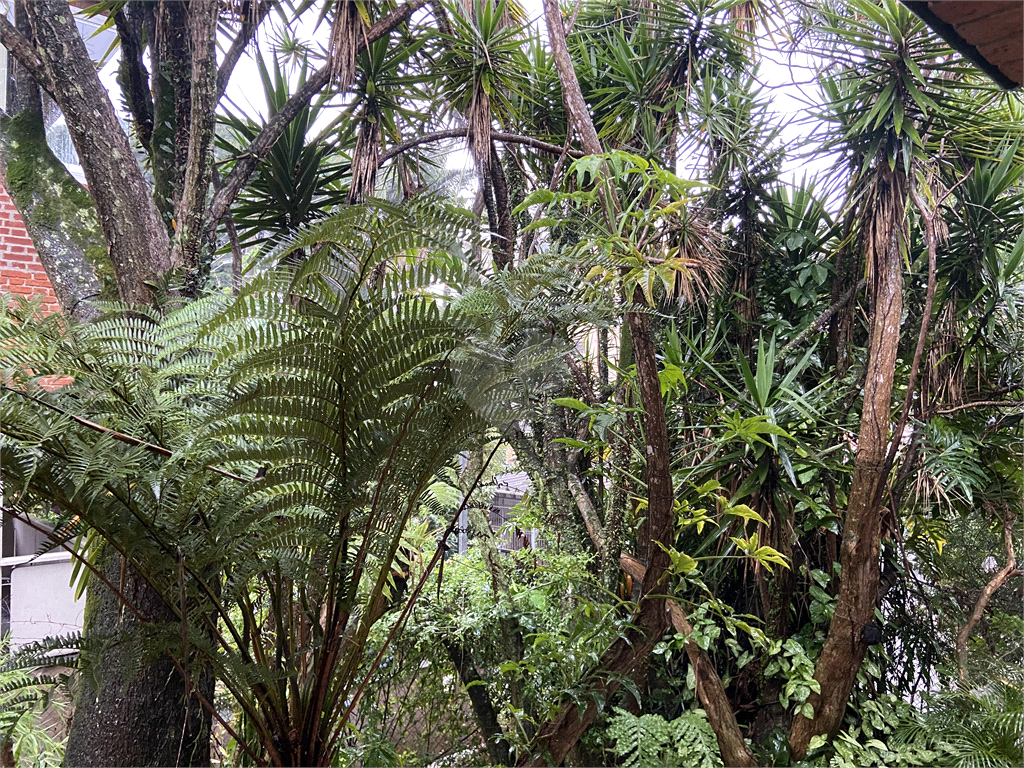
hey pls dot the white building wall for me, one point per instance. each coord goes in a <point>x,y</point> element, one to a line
<point>42,600</point>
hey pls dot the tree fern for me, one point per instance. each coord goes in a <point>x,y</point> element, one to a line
<point>978,726</point>
<point>25,694</point>
<point>257,461</point>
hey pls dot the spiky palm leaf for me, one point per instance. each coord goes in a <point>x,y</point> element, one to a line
<point>300,180</point>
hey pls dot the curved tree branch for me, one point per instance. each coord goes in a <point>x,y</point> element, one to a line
<point>1008,571</point>
<point>456,133</point>
<point>823,318</point>
<point>250,24</point>
<point>982,404</point>
<point>21,48</point>
<point>275,127</point>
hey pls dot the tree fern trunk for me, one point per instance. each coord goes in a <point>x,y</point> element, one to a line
<point>145,719</point>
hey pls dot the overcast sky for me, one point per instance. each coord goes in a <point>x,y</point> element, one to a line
<point>788,86</point>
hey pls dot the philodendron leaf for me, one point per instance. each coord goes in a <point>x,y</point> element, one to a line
<point>742,510</point>
<point>570,442</point>
<point>571,402</point>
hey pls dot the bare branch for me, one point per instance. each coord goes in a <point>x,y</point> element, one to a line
<point>1008,571</point>
<point>21,48</point>
<point>456,133</point>
<point>824,317</point>
<point>982,404</point>
<point>245,35</point>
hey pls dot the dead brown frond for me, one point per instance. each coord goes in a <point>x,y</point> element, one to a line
<point>242,11</point>
<point>365,158</point>
<point>347,30</point>
<point>945,362</point>
<point>744,16</point>
<point>692,246</point>
<point>885,228</point>
<point>478,129</point>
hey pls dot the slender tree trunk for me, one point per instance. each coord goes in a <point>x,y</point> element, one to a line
<point>504,229</point>
<point>844,648</point>
<point>198,167</point>
<point>558,736</point>
<point>498,748</point>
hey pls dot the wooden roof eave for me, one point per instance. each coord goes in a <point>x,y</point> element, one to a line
<point>948,32</point>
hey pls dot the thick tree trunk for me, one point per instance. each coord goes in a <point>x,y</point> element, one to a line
<point>57,212</point>
<point>126,719</point>
<point>844,648</point>
<point>138,242</point>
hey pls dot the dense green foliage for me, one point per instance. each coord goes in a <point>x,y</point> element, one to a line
<point>286,467</point>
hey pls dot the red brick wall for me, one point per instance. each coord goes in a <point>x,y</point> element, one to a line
<point>20,270</point>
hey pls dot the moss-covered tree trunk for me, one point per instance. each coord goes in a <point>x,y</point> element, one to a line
<point>126,214</point>
<point>56,211</point>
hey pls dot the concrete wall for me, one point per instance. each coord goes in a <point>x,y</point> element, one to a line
<point>42,600</point>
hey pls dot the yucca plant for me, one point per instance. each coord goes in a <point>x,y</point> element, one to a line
<point>303,176</point>
<point>256,463</point>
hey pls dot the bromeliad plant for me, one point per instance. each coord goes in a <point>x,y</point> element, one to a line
<point>256,463</point>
